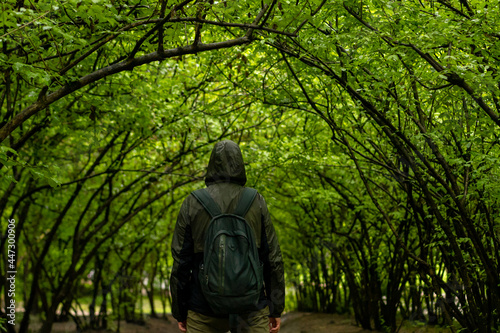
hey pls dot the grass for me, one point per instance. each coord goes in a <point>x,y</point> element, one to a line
<point>419,327</point>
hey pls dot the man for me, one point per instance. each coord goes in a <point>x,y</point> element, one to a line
<point>225,180</point>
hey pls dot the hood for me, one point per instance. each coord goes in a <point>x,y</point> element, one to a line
<point>226,164</point>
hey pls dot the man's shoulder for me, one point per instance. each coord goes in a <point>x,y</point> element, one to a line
<point>188,202</point>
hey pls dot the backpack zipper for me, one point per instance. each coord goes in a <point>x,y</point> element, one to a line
<point>222,262</point>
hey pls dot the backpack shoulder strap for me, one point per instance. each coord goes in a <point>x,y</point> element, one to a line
<point>246,201</point>
<point>207,202</point>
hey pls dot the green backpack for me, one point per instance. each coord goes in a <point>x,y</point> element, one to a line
<point>231,275</point>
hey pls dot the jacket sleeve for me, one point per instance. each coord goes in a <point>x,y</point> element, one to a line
<point>270,254</point>
<point>183,254</point>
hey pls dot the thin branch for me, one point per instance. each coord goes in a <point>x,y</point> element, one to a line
<point>159,24</point>
<point>24,25</point>
<point>312,14</point>
<point>160,31</point>
<point>270,10</point>
<point>257,20</point>
<point>455,10</point>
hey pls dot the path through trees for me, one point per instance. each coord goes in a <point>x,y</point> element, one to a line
<point>372,127</point>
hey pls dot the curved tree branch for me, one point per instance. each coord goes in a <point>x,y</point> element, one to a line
<point>45,101</point>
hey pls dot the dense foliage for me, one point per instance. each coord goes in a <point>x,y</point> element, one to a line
<point>371,127</point>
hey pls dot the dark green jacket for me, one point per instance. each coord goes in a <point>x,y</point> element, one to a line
<point>225,179</point>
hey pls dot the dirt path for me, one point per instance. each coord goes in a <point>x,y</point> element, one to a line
<point>304,322</point>
<point>293,322</point>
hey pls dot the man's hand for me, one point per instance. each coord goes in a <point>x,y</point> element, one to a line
<point>182,326</point>
<point>274,324</point>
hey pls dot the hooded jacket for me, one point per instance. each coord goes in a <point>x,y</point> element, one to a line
<point>225,179</point>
